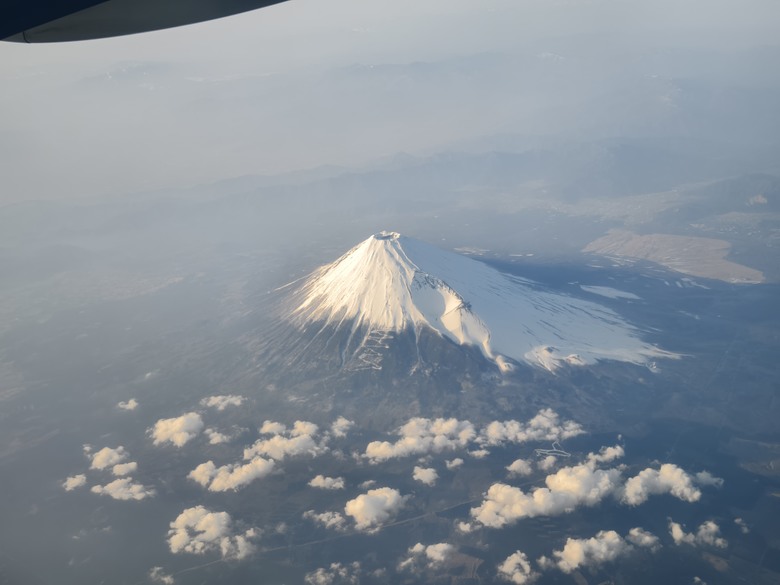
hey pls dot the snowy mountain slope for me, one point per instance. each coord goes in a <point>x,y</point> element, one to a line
<point>390,283</point>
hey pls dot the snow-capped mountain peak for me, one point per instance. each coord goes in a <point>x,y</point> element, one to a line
<point>390,282</point>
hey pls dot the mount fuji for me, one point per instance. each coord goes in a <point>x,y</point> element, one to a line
<point>390,284</point>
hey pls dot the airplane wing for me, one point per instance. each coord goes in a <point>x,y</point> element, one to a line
<point>45,21</point>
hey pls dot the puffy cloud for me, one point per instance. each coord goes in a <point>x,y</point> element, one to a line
<point>547,463</point>
<point>705,478</point>
<point>332,520</point>
<point>606,546</point>
<point>743,527</point>
<point>426,475</point>
<point>74,482</point>
<point>479,453</point>
<point>582,485</point>
<point>643,538</point>
<point>519,467</point>
<point>157,575</point>
<point>177,431</point>
<point>341,426</point>
<point>216,438</point>
<point>286,442</point>
<point>221,402</point>
<point>124,468</point>
<point>454,463</point>
<point>232,476</point>
<point>108,457</point>
<point>302,428</point>
<point>707,534</point>
<point>545,426</point>
<point>335,574</point>
<point>123,489</point>
<point>669,479</point>
<point>606,455</point>
<point>566,489</point>
<point>371,509</point>
<point>198,530</point>
<point>516,568</point>
<point>438,553</point>
<point>423,435</point>
<point>131,404</point>
<point>272,428</point>
<point>327,483</point>
<point>422,556</point>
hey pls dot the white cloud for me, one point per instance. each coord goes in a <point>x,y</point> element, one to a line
<point>743,527</point>
<point>422,557</point>
<point>327,483</point>
<point>341,426</point>
<point>516,568</point>
<point>177,431</point>
<point>272,428</point>
<point>606,455</point>
<point>423,435</point>
<point>336,574</point>
<point>708,533</point>
<point>479,453</point>
<point>123,489</point>
<point>374,507</point>
<point>108,457</point>
<point>198,530</point>
<point>519,467</point>
<point>582,485</point>
<point>643,538</point>
<point>232,476</point>
<point>705,478</point>
<point>606,546</point>
<point>333,520</point>
<point>286,442</point>
<point>426,475</point>
<point>157,575</point>
<point>669,479</point>
<point>74,482</point>
<point>124,468</point>
<point>217,438</point>
<point>547,463</point>
<point>454,463</point>
<point>545,426</point>
<point>566,489</point>
<point>221,402</point>
<point>439,552</point>
<point>131,404</point>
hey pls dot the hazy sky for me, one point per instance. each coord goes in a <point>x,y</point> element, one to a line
<point>277,89</point>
